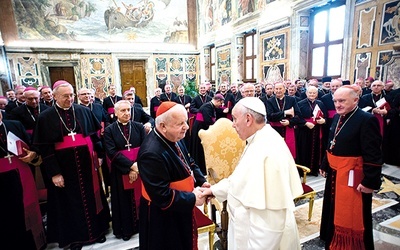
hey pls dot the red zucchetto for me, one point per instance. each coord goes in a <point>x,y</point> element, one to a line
<point>164,107</point>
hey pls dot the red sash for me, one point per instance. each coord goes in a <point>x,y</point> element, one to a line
<point>348,218</point>
<point>33,218</point>
<point>187,185</point>
<point>289,137</point>
<point>85,141</point>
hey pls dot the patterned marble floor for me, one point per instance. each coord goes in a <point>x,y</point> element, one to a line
<point>386,222</point>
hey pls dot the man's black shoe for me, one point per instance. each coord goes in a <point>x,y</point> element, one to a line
<point>76,246</point>
<point>102,239</point>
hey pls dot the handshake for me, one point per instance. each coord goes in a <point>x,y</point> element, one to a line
<point>203,193</point>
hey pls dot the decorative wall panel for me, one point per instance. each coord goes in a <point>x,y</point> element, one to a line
<point>25,70</point>
<point>362,65</point>
<point>97,73</point>
<point>223,64</point>
<point>274,47</point>
<point>366,25</point>
<point>390,25</point>
<point>175,69</point>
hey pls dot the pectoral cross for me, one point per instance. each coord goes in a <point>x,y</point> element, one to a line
<point>333,142</point>
<point>9,157</point>
<point>128,146</point>
<point>72,133</point>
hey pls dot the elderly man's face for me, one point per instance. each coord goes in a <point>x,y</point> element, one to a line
<point>130,98</point>
<point>32,98</point>
<point>269,89</point>
<point>20,95</point>
<point>312,94</point>
<point>377,87</point>
<point>240,123</point>
<point>84,96</point>
<point>168,89</point>
<point>249,90</point>
<point>223,87</point>
<point>202,89</point>
<point>64,96</point>
<point>344,101</point>
<point>279,90</point>
<point>234,88</point>
<point>123,112</point>
<point>3,103</point>
<point>175,128</point>
<point>335,84</point>
<point>181,91</point>
<point>47,94</point>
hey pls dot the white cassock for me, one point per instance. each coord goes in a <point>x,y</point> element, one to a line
<point>260,195</point>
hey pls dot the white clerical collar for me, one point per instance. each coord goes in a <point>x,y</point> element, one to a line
<point>62,107</point>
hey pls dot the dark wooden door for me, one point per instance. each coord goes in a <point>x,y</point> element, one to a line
<point>133,74</point>
<point>62,73</point>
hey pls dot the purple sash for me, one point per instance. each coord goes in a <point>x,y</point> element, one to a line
<point>289,137</point>
<point>199,117</point>
<point>110,110</point>
<point>331,113</point>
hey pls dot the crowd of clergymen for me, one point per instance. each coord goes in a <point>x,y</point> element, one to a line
<point>307,115</point>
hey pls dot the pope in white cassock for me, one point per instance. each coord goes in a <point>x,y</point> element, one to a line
<point>261,189</point>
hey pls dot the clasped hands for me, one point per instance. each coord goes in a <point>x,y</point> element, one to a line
<point>133,173</point>
<point>203,193</point>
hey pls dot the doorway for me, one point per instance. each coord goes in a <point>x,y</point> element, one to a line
<point>63,73</point>
<point>133,74</point>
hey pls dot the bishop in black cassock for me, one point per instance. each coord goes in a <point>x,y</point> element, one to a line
<point>123,135</point>
<point>167,207</point>
<point>77,209</point>
<point>20,217</point>
<point>355,146</point>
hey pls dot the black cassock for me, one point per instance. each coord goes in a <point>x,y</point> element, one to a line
<point>391,145</point>
<point>125,220</point>
<point>14,233</point>
<point>309,144</point>
<point>208,113</point>
<point>167,221</point>
<point>359,136</point>
<point>27,115</point>
<point>73,216</point>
